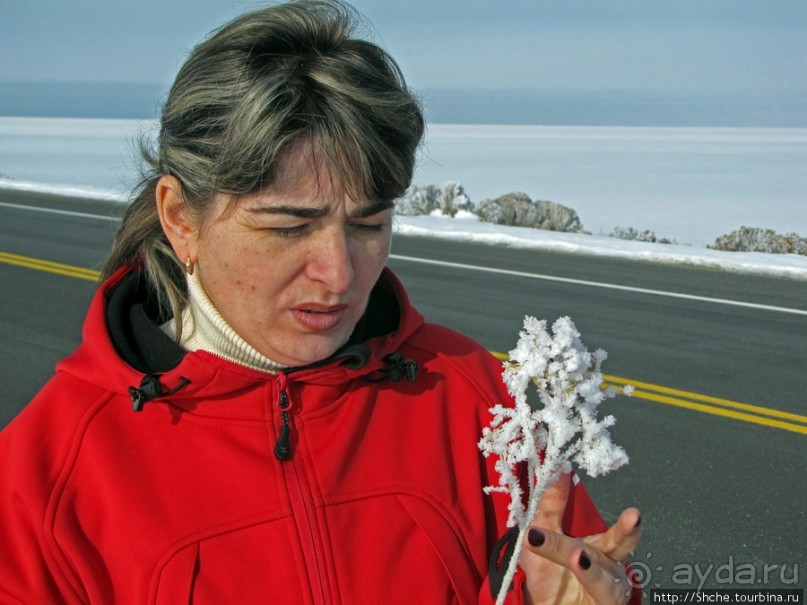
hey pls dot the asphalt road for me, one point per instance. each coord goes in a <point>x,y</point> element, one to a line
<point>722,495</point>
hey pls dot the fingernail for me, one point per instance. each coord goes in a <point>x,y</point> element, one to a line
<point>536,537</point>
<point>584,561</point>
<point>638,521</point>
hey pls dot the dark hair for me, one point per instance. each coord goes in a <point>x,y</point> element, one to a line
<point>257,87</point>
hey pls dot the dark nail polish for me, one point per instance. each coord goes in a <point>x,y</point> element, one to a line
<point>638,521</point>
<point>585,562</point>
<point>536,537</point>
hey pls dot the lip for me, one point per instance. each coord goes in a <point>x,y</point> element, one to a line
<point>319,318</point>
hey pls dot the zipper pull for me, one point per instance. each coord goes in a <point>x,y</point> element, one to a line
<point>283,445</point>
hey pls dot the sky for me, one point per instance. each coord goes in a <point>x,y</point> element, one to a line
<point>684,62</point>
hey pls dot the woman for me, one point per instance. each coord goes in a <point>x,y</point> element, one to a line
<point>256,412</point>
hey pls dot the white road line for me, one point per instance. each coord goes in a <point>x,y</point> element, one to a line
<point>580,282</point>
<point>565,280</point>
<point>100,217</point>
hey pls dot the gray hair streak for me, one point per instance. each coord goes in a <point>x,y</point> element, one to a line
<point>267,81</point>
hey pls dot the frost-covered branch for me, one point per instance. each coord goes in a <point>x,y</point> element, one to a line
<point>560,428</point>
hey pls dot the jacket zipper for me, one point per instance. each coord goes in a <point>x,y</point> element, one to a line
<point>283,445</point>
<point>302,502</point>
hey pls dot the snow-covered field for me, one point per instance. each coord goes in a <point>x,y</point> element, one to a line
<point>690,185</point>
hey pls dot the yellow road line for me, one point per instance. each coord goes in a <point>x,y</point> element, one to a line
<point>49,266</point>
<point>704,403</point>
<point>718,411</point>
<point>754,409</point>
<point>642,390</point>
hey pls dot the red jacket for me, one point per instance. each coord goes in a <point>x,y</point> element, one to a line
<point>379,499</point>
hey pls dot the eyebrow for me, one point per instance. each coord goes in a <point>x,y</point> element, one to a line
<point>307,212</point>
<point>295,211</point>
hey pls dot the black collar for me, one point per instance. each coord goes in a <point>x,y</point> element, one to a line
<point>134,320</point>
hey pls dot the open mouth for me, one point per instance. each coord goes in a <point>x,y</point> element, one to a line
<point>319,319</point>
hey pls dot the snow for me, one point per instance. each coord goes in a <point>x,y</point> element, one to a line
<point>687,184</point>
<point>63,189</point>
<point>466,227</point>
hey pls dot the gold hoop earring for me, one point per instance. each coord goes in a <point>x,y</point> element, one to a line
<point>189,266</point>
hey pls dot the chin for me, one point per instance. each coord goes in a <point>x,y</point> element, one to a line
<point>319,351</point>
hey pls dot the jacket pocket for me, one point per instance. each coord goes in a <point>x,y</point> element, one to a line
<point>399,549</point>
<point>175,583</point>
<point>257,563</point>
<point>448,547</point>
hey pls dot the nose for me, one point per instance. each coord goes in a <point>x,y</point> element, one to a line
<point>330,261</point>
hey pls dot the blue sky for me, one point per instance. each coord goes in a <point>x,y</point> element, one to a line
<point>476,60</point>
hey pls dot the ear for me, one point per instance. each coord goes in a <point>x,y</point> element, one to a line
<point>181,231</point>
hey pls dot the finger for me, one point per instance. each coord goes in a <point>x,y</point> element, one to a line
<point>561,549</point>
<point>553,546</point>
<point>622,537</point>
<point>602,583</point>
<point>553,504</point>
<point>601,577</point>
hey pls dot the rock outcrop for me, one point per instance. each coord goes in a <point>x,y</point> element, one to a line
<point>417,201</point>
<point>517,209</point>
<point>756,239</point>
<point>421,200</point>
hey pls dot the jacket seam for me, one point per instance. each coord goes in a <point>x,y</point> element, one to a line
<point>439,554</point>
<point>202,535</point>
<point>59,554</point>
<point>313,484</point>
<point>10,598</point>
<point>449,360</point>
<point>399,490</point>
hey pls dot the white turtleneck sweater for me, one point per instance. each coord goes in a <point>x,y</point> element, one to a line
<point>203,328</point>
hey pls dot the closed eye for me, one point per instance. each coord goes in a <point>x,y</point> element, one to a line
<point>369,227</point>
<point>288,231</point>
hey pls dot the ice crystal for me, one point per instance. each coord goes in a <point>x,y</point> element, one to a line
<point>555,431</point>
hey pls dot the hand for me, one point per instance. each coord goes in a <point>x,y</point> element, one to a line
<point>563,570</point>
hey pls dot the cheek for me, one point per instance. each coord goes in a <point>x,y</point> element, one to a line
<point>372,257</point>
<point>273,272</point>
<point>231,266</point>
<point>380,247</point>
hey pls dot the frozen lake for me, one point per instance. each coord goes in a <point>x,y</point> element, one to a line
<point>687,184</point>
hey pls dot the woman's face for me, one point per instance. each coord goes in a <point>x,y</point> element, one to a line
<point>291,268</point>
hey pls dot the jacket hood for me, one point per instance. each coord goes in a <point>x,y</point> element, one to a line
<point>123,349</point>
